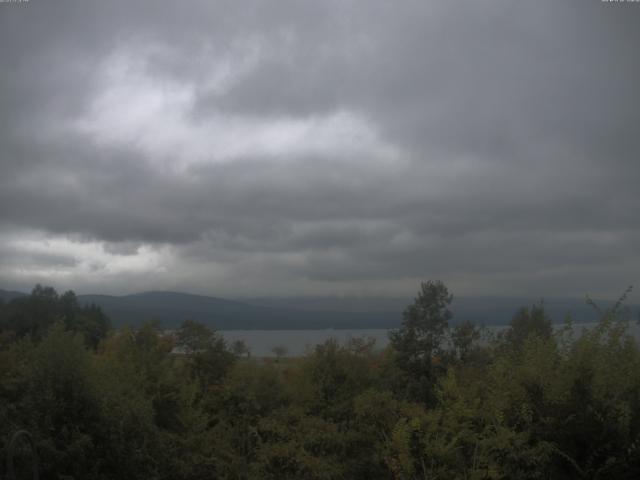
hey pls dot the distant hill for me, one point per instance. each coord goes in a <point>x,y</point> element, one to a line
<point>7,295</point>
<point>480,310</point>
<point>171,308</point>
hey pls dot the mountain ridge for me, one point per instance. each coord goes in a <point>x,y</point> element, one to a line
<point>170,308</point>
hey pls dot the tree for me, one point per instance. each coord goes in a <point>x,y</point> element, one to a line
<point>334,375</point>
<point>528,322</point>
<point>194,336</point>
<point>33,315</point>
<point>418,342</point>
<point>279,351</point>
<point>89,320</point>
<point>208,358</point>
<point>240,348</point>
<point>463,338</point>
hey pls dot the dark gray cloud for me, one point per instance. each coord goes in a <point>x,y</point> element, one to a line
<point>340,147</point>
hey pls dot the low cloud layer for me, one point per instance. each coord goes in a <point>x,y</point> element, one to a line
<point>320,148</point>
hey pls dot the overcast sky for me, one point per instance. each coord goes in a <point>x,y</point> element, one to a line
<point>256,148</point>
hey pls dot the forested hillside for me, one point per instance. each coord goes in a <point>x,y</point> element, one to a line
<point>439,402</point>
<point>171,308</point>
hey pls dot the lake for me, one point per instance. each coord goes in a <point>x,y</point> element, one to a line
<point>297,342</point>
<point>261,342</point>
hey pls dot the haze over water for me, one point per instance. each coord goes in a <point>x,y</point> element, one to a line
<point>299,342</point>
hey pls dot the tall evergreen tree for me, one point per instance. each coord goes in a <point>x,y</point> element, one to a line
<point>418,342</point>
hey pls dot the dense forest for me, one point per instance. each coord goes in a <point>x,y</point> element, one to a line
<point>441,402</point>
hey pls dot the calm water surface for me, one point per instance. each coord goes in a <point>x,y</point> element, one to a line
<point>298,342</point>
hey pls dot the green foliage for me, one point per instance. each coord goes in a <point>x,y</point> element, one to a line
<point>418,343</point>
<point>279,351</point>
<point>240,349</point>
<point>33,315</point>
<point>142,403</point>
<point>528,322</point>
<point>207,357</point>
<point>464,339</point>
<point>335,375</point>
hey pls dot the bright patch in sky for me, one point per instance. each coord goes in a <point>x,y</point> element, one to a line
<point>153,114</point>
<point>312,148</point>
<point>74,257</point>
